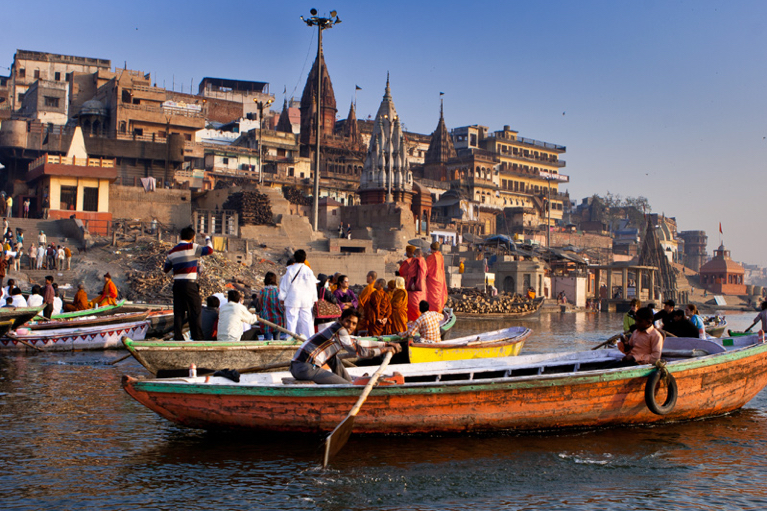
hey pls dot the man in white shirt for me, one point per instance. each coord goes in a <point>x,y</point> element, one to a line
<point>41,239</point>
<point>298,291</point>
<point>231,316</point>
<point>18,300</point>
<point>36,298</point>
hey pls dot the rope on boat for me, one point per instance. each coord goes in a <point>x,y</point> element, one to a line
<point>672,392</point>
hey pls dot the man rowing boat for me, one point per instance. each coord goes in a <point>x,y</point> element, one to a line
<point>317,358</point>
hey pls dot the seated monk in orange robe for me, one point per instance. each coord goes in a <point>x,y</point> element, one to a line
<point>398,318</point>
<point>80,302</point>
<point>108,295</point>
<point>377,310</point>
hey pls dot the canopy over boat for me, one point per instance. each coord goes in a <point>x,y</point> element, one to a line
<point>529,392</point>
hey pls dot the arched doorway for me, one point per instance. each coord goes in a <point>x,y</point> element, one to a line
<point>508,285</point>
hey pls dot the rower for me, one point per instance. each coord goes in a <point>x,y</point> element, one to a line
<point>427,324</point>
<point>317,358</point>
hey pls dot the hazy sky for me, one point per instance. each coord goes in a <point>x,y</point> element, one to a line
<point>664,99</point>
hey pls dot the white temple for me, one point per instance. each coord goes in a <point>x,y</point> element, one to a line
<point>386,175</point>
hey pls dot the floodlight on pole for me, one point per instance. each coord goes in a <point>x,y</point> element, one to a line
<point>321,24</point>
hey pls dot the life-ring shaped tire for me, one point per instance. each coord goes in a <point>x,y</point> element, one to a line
<point>649,394</point>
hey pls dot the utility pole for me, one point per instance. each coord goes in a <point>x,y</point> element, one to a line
<point>321,24</point>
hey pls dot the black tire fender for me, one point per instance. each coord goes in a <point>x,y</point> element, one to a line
<point>652,385</point>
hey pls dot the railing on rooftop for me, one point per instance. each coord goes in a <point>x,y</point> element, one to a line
<point>79,162</point>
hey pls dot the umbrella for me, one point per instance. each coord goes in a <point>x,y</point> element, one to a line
<point>420,243</point>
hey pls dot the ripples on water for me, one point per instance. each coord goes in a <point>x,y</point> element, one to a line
<point>71,438</point>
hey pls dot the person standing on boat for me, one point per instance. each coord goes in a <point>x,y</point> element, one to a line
<point>182,259</point>
<point>762,316</point>
<point>427,324</point>
<point>436,286</point>
<point>377,310</point>
<point>368,290</point>
<point>317,358</point>
<point>645,345</point>
<point>298,292</point>
<point>413,270</point>
<point>231,317</point>
<point>271,309</point>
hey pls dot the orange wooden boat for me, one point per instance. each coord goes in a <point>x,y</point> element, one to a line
<point>529,392</point>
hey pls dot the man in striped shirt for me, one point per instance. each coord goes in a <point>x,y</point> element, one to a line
<point>182,259</point>
<point>322,348</point>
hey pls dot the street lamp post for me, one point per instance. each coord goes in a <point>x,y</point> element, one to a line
<point>261,137</point>
<point>321,24</point>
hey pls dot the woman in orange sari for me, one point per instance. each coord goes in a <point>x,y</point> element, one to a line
<point>398,318</point>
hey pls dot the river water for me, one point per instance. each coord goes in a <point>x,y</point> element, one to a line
<point>71,438</point>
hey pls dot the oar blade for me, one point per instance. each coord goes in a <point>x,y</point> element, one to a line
<point>336,440</point>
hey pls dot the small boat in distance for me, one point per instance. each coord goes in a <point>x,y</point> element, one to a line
<point>85,321</point>
<point>111,309</point>
<point>99,337</point>
<point>524,393</point>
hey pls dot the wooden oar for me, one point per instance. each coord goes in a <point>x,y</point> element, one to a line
<point>121,359</point>
<point>280,329</point>
<point>25,343</point>
<point>338,437</point>
<point>608,341</point>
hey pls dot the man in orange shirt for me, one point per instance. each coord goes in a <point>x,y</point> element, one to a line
<point>646,343</point>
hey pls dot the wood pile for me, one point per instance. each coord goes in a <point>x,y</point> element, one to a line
<point>296,196</point>
<point>253,208</point>
<point>145,280</point>
<point>473,301</point>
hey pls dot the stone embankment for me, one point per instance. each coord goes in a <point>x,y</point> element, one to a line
<point>472,301</point>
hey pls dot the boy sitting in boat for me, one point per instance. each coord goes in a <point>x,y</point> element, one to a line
<point>317,358</point>
<point>427,324</point>
<point>646,343</point>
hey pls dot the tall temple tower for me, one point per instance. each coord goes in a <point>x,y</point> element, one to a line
<point>441,150</point>
<point>309,106</point>
<point>386,175</point>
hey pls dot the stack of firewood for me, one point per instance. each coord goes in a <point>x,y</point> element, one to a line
<point>473,301</point>
<point>253,208</point>
<point>295,196</point>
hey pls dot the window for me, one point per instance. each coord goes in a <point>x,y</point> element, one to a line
<point>291,171</point>
<point>51,102</point>
<point>188,137</point>
<point>57,76</point>
<point>22,73</point>
<point>68,198</point>
<point>67,76</point>
<point>138,132</point>
<point>225,161</point>
<point>90,199</point>
<point>123,127</point>
<point>37,73</point>
<point>126,96</point>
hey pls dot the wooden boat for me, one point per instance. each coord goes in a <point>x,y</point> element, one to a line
<point>715,325</point>
<point>107,309</point>
<point>19,315</point>
<point>507,342</point>
<point>86,321</point>
<point>529,392</point>
<point>160,322</point>
<point>164,357</point>
<point>5,326</point>
<point>537,303</point>
<point>99,337</point>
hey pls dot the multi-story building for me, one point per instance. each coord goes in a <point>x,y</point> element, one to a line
<point>30,66</point>
<point>695,243</point>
